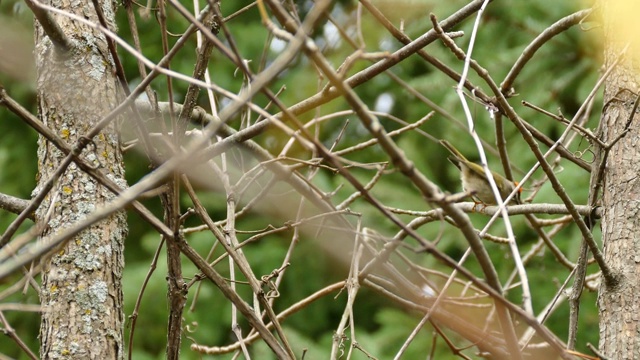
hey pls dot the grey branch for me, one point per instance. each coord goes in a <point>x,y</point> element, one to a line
<point>13,204</point>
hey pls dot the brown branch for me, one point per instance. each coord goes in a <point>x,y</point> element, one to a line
<point>140,126</point>
<point>242,138</point>
<point>355,80</point>
<point>211,21</point>
<point>239,259</point>
<point>50,27</point>
<point>133,318</point>
<point>76,149</point>
<point>242,306</point>
<point>428,189</point>
<point>584,132</point>
<point>112,48</point>
<point>404,39</point>
<point>557,28</point>
<point>300,305</point>
<point>504,106</point>
<point>10,332</point>
<point>14,205</point>
<point>53,138</point>
<point>133,28</point>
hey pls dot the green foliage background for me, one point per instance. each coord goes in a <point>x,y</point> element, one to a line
<point>559,77</point>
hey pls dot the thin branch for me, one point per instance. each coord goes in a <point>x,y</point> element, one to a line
<point>584,132</point>
<point>129,195</point>
<point>112,47</point>
<point>503,317</point>
<point>505,108</point>
<point>53,138</point>
<point>370,72</point>
<point>9,331</point>
<point>202,61</point>
<point>242,264</point>
<point>404,39</point>
<point>428,189</point>
<point>557,28</point>
<point>490,210</point>
<point>133,318</point>
<point>14,205</point>
<point>50,27</point>
<point>242,306</point>
<point>352,286</point>
<point>300,305</point>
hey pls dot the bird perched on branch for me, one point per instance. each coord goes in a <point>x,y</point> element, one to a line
<point>475,182</point>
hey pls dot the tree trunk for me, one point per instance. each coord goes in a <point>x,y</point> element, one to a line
<point>619,303</point>
<point>81,283</point>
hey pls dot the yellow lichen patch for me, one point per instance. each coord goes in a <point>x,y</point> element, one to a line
<point>64,133</point>
<point>67,190</point>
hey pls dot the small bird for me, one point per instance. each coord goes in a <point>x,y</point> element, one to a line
<point>475,182</point>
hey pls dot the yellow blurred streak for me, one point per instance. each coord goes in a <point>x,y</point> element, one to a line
<point>622,25</point>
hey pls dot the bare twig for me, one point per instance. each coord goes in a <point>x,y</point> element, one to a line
<point>14,204</point>
<point>557,28</point>
<point>9,331</point>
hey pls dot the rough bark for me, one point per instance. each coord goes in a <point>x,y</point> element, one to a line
<point>81,283</point>
<point>619,303</point>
